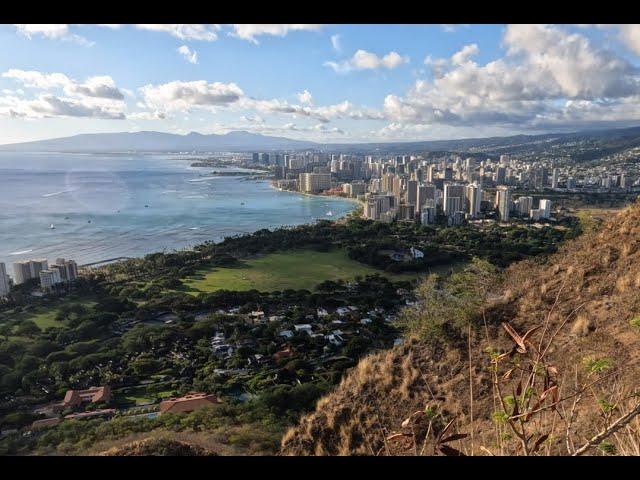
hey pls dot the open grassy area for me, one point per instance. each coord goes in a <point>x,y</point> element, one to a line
<point>300,269</point>
<point>44,315</point>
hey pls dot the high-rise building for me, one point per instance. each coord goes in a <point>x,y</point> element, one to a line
<point>571,183</point>
<point>386,182</point>
<point>474,198</point>
<point>5,286</point>
<point>524,205</point>
<point>28,269</point>
<point>431,172</point>
<point>49,278</point>
<point>412,192</point>
<point>454,198</point>
<point>545,207</point>
<point>503,202</point>
<point>554,178</point>
<point>256,158</point>
<point>378,205</point>
<point>68,269</point>
<point>314,182</point>
<point>501,175</point>
<point>428,213</point>
<point>425,193</point>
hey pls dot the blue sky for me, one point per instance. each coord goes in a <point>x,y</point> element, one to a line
<point>340,83</point>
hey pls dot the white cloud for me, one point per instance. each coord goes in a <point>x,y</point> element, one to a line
<point>363,60</point>
<point>184,31</point>
<point>189,55</point>
<point>183,96</point>
<point>48,106</point>
<point>465,54</point>
<point>305,97</point>
<point>630,36</point>
<point>544,68</point>
<point>59,31</point>
<point>97,86</point>
<point>248,31</point>
<point>335,43</point>
<point>147,115</point>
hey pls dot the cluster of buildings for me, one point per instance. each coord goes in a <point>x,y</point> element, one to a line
<point>412,188</point>
<point>50,276</point>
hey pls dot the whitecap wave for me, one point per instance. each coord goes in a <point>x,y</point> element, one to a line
<point>47,195</point>
<point>202,179</point>
<point>21,252</point>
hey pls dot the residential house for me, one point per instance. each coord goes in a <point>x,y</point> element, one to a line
<point>74,398</point>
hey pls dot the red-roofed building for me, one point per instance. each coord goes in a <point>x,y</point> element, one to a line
<point>74,398</point>
<point>44,423</point>
<point>190,402</point>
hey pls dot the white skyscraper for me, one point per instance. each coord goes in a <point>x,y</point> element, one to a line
<point>474,197</point>
<point>503,201</point>
<point>545,207</point>
<point>554,178</point>
<point>454,198</point>
<point>524,205</point>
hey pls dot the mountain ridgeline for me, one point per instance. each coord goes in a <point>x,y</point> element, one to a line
<point>592,144</point>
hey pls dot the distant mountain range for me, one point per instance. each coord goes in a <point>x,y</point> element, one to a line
<point>159,142</point>
<point>598,142</point>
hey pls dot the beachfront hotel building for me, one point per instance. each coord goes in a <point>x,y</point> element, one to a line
<point>26,270</point>
<point>314,182</point>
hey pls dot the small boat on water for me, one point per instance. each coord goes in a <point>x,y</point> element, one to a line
<point>52,226</point>
<point>329,213</point>
<point>146,206</point>
<point>88,221</point>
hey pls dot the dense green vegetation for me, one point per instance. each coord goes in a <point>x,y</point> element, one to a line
<point>146,327</point>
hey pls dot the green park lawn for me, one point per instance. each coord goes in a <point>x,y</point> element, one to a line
<point>299,269</point>
<point>44,315</point>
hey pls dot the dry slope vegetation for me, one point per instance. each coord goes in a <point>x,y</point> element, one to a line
<point>550,366</point>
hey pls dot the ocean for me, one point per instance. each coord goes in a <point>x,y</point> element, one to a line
<point>105,206</point>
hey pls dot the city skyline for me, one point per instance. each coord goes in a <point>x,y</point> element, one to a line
<point>324,83</point>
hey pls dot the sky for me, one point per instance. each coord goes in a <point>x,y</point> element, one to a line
<point>326,83</point>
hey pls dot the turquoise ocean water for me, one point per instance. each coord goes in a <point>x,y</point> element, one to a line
<point>107,206</point>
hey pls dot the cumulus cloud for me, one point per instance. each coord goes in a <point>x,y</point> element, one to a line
<point>98,86</point>
<point>189,55</point>
<point>630,36</point>
<point>184,31</point>
<point>547,75</point>
<point>465,54</point>
<point>48,106</point>
<point>183,96</point>
<point>52,31</point>
<point>96,97</point>
<point>363,60</point>
<point>305,97</point>
<point>248,31</point>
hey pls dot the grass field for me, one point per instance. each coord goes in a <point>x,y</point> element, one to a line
<point>44,316</point>
<point>300,269</point>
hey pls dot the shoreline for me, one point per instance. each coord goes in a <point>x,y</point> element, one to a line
<point>104,263</point>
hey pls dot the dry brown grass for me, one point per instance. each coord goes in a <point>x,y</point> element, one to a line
<point>585,296</point>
